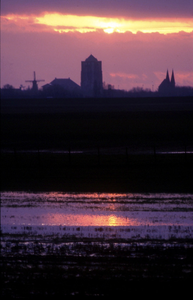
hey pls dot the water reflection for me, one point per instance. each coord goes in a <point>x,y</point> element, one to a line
<point>96,209</point>
<point>89,220</point>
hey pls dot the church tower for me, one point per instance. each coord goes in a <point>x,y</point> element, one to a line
<point>91,77</point>
<point>167,87</point>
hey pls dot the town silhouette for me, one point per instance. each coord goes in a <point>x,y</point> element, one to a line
<point>92,86</point>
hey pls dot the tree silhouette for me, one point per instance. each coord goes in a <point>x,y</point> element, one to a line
<point>8,87</point>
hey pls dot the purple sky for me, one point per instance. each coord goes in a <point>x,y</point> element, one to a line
<point>129,59</point>
<point>122,8</point>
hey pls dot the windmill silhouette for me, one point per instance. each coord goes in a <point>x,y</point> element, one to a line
<point>34,82</point>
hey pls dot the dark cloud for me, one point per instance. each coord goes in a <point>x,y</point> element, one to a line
<point>119,8</point>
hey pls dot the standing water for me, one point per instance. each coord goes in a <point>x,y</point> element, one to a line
<point>162,216</point>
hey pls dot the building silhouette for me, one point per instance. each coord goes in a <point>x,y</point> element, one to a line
<point>62,87</point>
<point>167,86</point>
<point>91,77</point>
<point>66,83</point>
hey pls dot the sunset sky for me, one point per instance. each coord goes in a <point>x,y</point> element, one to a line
<point>137,41</point>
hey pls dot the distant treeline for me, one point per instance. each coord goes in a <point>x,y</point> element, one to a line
<point>9,92</point>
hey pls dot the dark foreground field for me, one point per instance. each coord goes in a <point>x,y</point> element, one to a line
<point>97,129</point>
<point>110,143</point>
<point>91,267</point>
<point>97,173</point>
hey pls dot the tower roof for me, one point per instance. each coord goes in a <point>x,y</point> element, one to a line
<point>91,58</point>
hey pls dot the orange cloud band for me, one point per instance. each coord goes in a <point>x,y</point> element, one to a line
<point>72,23</point>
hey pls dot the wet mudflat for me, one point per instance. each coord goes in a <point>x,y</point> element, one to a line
<point>94,243</point>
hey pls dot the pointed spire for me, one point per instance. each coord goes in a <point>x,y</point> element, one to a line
<point>172,79</point>
<point>167,77</point>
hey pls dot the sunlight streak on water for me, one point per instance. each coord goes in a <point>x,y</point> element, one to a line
<point>96,209</point>
<point>89,220</point>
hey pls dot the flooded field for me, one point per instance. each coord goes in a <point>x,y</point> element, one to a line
<point>82,240</point>
<point>54,211</point>
<point>97,215</point>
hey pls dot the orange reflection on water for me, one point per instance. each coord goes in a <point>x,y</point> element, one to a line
<point>88,220</point>
<point>87,195</point>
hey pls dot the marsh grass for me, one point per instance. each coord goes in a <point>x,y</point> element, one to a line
<point>112,270</point>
